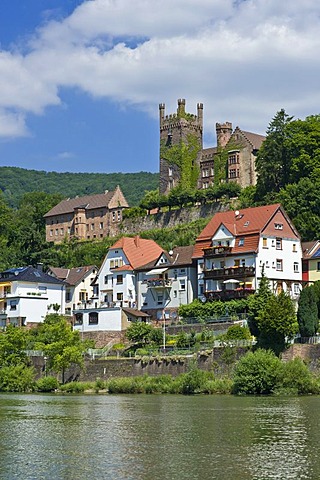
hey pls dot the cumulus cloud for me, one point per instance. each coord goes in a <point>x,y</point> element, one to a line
<point>244,60</point>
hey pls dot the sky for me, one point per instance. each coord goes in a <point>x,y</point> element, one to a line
<point>81,81</point>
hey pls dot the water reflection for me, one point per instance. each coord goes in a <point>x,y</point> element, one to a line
<point>150,437</point>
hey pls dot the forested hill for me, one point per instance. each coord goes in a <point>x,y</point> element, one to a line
<point>15,182</point>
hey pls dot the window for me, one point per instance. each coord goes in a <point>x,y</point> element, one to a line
<point>170,171</point>
<point>120,296</point>
<point>296,267</point>
<point>294,247</point>
<point>51,233</point>
<point>119,214</point>
<point>78,319</point>
<point>175,294</point>
<point>318,267</point>
<point>279,243</point>
<point>278,226</point>
<point>233,173</point>
<point>205,172</point>
<point>93,318</point>
<point>241,242</point>
<point>182,284</point>
<point>111,263</point>
<point>57,231</point>
<point>279,288</point>
<point>237,263</point>
<point>296,288</point>
<point>264,243</point>
<point>61,231</point>
<point>113,216</point>
<point>205,185</point>
<point>160,299</point>
<point>119,279</point>
<point>279,265</point>
<point>92,226</point>
<point>182,271</point>
<point>106,279</point>
<point>101,225</point>
<point>13,304</point>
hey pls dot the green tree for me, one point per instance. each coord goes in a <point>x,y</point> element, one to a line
<point>257,302</point>
<point>13,343</point>
<point>60,343</point>
<point>308,312</point>
<point>273,160</point>
<point>139,332</point>
<point>277,321</point>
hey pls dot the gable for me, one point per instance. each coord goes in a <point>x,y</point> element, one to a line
<point>222,234</point>
<point>280,226</point>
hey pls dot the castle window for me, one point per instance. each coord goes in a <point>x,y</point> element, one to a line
<point>170,173</point>
<point>205,172</point>
<point>119,214</point>
<point>51,233</point>
<point>113,216</point>
<point>101,225</point>
<point>233,173</point>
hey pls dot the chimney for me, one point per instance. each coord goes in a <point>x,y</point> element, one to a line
<point>137,241</point>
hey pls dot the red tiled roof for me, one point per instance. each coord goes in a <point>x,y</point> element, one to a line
<point>248,223</point>
<point>138,251</point>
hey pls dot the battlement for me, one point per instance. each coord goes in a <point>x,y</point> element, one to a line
<point>166,120</point>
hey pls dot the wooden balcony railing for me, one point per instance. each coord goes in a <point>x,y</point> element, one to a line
<point>216,251</point>
<point>229,272</point>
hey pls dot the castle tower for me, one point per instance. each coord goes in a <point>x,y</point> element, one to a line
<point>174,129</point>
<point>224,132</point>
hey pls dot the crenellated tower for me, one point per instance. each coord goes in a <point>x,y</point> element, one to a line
<point>174,129</point>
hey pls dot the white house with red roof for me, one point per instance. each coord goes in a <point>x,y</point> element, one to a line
<point>235,246</point>
<point>115,303</point>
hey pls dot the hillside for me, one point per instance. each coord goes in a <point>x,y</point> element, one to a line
<point>15,182</point>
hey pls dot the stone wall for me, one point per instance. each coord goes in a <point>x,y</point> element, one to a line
<point>308,353</point>
<point>130,226</point>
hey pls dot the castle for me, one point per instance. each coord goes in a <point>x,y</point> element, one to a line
<point>238,147</point>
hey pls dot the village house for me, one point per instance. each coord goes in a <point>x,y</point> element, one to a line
<point>235,246</point>
<point>27,295</point>
<point>311,262</point>
<point>238,147</point>
<point>166,283</point>
<point>114,303</point>
<point>90,217</point>
<point>78,281</point>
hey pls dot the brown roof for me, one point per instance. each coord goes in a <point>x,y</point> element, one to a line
<point>254,138</point>
<point>138,251</point>
<point>72,275</point>
<point>180,256</point>
<point>135,313</point>
<point>308,247</point>
<point>88,202</point>
<point>248,223</point>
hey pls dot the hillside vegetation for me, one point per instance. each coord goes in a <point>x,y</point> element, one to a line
<point>15,182</point>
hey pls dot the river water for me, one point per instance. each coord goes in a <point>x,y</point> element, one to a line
<point>141,437</point>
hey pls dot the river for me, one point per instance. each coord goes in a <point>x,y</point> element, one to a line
<point>165,437</point>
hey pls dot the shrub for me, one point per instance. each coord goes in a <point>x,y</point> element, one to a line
<point>218,386</point>
<point>237,332</point>
<point>125,385</point>
<point>296,377</point>
<point>17,378</point>
<point>194,381</point>
<point>77,387</point>
<point>47,384</point>
<point>257,373</point>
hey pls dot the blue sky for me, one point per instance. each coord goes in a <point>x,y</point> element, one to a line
<point>80,81</point>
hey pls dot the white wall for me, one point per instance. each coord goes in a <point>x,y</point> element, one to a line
<point>109,319</point>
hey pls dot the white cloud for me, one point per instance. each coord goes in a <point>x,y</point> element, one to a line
<point>244,60</point>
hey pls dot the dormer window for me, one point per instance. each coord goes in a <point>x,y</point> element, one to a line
<point>241,242</point>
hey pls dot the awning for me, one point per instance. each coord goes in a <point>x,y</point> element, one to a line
<point>157,271</point>
<point>232,280</point>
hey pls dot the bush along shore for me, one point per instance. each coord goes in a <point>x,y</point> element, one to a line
<point>257,373</point>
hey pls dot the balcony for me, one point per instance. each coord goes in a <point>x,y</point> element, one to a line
<point>228,294</point>
<point>159,283</point>
<point>229,272</point>
<point>218,251</point>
